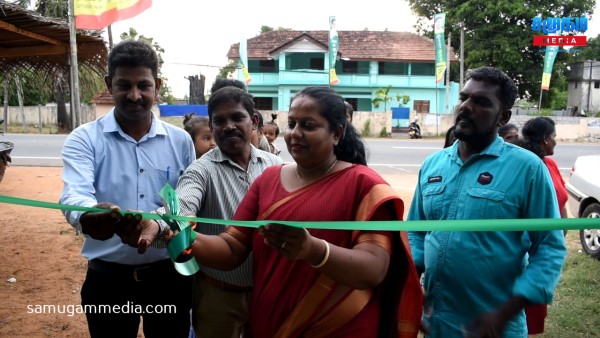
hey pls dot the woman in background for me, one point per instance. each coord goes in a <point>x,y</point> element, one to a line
<point>539,137</point>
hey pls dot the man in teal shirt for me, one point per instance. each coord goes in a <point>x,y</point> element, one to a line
<point>478,283</point>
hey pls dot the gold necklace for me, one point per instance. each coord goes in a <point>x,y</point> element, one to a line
<point>325,174</point>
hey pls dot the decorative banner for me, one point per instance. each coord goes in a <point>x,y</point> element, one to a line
<point>98,14</point>
<point>439,22</point>
<point>244,60</point>
<point>333,50</point>
<point>548,64</point>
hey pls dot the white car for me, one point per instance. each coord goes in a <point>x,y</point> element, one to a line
<point>584,199</point>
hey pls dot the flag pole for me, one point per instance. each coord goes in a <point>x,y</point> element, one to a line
<point>74,65</point>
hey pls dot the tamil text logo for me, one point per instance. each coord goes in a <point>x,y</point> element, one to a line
<point>558,26</point>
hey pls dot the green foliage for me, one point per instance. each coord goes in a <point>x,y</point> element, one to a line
<point>366,131</point>
<point>591,51</point>
<point>32,92</point>
<point>541,112</point>
<point>402,99</point>
<point>265,29</point>
<point>49,8</point>
<point>383,133</point>
<point>598,114</point>
<point>382,95</point>
<point>499,34</point>
<point>571,313</point>
<point>228,69</point>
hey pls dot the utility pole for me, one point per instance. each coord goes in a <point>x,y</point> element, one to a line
<point>110,40</point>
<point>589,96</point>
<point>74,65</point>
<point>462,55</point>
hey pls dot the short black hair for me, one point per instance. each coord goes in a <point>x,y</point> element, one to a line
<point>132,54</point>
<point>506,128</point>
<point>508,89</point>
<point>222,82</point>
<point>190,121</point>
<point>349,109</point>
<point>230,94</point>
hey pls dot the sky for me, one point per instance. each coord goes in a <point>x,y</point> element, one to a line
<point>196,35</point>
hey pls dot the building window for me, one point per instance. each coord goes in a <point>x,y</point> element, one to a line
<point>263,103</point>
<point>317,63</point>
<point>421,106</point>
<point>423,69</point>
<point>266,66</point>
<point>393,68</point>
<point>349,67</point>
<point>596,84</point>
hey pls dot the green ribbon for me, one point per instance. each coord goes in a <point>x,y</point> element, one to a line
<point>537,224</point>
<point>185,236</point>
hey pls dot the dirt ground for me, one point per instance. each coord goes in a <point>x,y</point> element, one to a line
<point>40,250</point>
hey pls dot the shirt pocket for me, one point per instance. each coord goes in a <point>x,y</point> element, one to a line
<point>168,176</point>
<point>484,203</point>
<point>433,201</point>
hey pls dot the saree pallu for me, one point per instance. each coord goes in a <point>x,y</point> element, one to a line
<point>291,299</point>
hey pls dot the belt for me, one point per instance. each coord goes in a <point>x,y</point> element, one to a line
<point>222,285</point>
<point>139,273</point>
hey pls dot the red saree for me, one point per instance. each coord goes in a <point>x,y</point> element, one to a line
<point>291,299</point>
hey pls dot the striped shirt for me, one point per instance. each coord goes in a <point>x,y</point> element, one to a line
<point>212,187</point>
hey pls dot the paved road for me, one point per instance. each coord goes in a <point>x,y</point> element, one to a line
<point>385,155</point>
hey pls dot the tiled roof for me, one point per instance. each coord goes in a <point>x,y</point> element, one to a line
<point>355,45</point>
<point>103,97</point>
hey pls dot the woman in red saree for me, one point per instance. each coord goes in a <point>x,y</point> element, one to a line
<point>321,283</point>
<point>539,137</point>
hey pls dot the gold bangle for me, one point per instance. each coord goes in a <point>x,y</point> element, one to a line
<point>325,258</point>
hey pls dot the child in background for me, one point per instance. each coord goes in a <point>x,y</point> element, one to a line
<point>271,131</point>
<point>199,130</point>
<point>259,140</point>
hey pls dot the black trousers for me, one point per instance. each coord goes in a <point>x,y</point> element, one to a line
<point>115,296</point>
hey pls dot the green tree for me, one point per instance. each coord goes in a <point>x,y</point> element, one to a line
<point>165,94</point>
<point>402,99</point>
<point>55,9</point>
<point>382,95</point>
<point>228,69</point>
<point>591,51</point>
<point>499,33</point>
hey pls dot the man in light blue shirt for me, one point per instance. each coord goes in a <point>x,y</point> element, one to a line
<point>121,161</point>
<point>478,283</point>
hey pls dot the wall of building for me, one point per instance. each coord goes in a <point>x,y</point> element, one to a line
<point>567,128</point>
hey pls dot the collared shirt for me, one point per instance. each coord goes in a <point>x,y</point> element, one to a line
<point>471,273</point>
<point>103,164</point>
<point>212,187</point>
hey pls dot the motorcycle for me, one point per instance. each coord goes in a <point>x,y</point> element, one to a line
<point>414,131</point>
<point>5,149</point>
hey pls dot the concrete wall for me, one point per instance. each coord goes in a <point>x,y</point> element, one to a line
<point>567,128</point>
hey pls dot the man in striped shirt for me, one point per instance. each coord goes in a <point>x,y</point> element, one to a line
<point>212,187</point>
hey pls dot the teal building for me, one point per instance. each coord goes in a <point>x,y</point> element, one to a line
<point>282,62</point>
